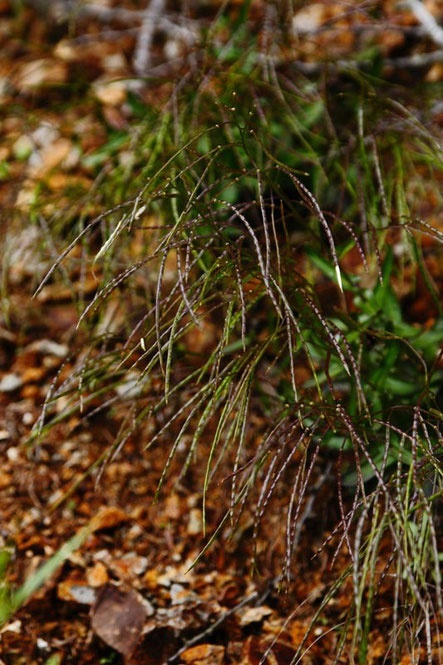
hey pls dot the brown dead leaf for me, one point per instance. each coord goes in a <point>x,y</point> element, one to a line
<point>377,647</point>
<point>49,157</point>
<point>118,617</point>
<point>129,567</point>
<point>297,631</point>
<point>5,480</point>
<point>110,92</point>
<point>33,374</point>
<point>204,654</point>
<point>97,575</point>
<point>172,507</point>
<point>114,117</point>
<point>108,518</point>
<point>435,74</point>
<point>40,72</point>
<point>56,293</point>
<point>201,340</point>
<point>253,615</point>
<point>252,651</point>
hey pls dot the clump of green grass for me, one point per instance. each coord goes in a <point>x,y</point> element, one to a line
<point>283,220</point>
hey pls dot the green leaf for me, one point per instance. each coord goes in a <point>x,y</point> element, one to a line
<point>327,267</point>
<point>400,387</point>
<point>43,574</point>
<point>100,156</point>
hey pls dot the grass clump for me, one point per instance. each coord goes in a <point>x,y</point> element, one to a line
<point>266,235</point>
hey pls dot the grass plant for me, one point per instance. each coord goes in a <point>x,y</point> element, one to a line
<point>280,219</point>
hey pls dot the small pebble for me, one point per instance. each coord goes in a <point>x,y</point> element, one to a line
<point>13,454</point>
<point>10,382</point>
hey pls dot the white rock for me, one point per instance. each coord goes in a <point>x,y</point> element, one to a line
<point>149,608</point>
<point>83,594</point>
<point>13,627</point>
<point>194,522</point>
<point>113,62</point>
<point>41,643</point>
<point>45,134</point>
<point>28,418</point>
<point>10,382</point>
<point>13,454</point>
<point>308,18</point>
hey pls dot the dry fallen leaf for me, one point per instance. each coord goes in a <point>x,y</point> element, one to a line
<point>33,374</point>
<point>204,654</point>
<point>253,615</point>
<point>118,617</point>
<point>56,293</point>
<point>110,92</point>
<point>108,518</point>
<point>129,566</point>
<point>49,157</point>
<point>97,575</point>
<point>40,72</point>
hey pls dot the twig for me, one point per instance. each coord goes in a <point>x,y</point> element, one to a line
<point>426,20</point>
<point>177,26</point>
<point>208,631</point>
<point>104,35</point>
<point>416,60</point>
<point>107,14</point>
<point>361,28</point>
<point>142,55</point>
<point>184,28</point>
